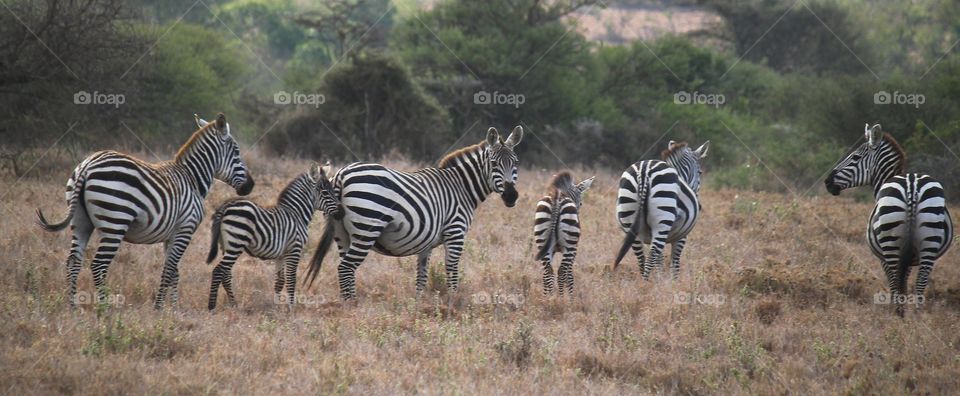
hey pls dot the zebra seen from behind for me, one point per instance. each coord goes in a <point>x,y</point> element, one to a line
<point>127,199</point>
<point>276,232</point>
<point>657,204</point>
<point>556,229</point>
<point>910,225</point>
<point>398,213</point>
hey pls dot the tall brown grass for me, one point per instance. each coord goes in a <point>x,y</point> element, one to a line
<point>775,296</point>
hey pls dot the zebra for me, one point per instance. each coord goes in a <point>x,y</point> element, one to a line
<point>399,213</point>
<point>277,232</point>
<point>910,225</point>
<point>657,204</point>
<point>127,199</point>
<point>556,228</point>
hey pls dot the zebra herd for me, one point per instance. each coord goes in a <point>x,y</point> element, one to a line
<point>370,207</point>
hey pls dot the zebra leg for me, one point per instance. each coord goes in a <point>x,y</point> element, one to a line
<point>923,276</point>
<point>566,271</point>
<point>171,276</point>
<point>656,257</point>
<point>548,279</point>
<point>221,275</point>
<point>81,236</point>
<point>454,248</point>
<point>422,260</point>
<point>109,245</point>
<point>278,283</point>
<point>291,260</point>
<point>638,251</point>
<point>676,250</point>
<point>355,253</point>
<point>890,266</point>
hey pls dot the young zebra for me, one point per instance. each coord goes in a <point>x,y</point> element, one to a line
<point>400,214</point>
<point>276,233</point>
<point>556,228</point>
<point>657,204</point>
<point>910,224</point>
<point>127,199</point>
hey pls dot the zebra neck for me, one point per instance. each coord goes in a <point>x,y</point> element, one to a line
<point>298,204</point>
<point>472,173</point>
<point>889,164</point>
<point>197,171</point>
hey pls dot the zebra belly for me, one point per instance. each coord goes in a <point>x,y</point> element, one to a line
<point>391,243</point>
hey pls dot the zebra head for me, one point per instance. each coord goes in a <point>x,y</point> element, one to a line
<point>224,154</point>
<point>687,162</point>
<point>873,162</point>
<point>326,200</point>
<point>503,164</point>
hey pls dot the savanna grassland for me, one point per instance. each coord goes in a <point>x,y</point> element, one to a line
<point>776,296</point>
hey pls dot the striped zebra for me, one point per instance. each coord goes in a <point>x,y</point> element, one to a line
<point>127,199</point>
<point>276,232</point>
<point>657,204</point>
<point>399,213</point>
<point>910,225</point>
<point>556,228</point>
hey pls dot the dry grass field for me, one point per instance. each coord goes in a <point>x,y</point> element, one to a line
<point>776,296</point>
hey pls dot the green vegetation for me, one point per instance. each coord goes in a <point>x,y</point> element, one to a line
<point>789,84</point>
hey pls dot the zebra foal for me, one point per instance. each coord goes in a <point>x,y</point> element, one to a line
<point>556,229</point>
<point>275,232</point>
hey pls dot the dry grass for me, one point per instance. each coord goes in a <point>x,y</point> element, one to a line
<point>781,302</point>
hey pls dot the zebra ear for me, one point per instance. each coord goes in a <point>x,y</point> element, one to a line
<point>493,138</point>
<point>702,150</point>
<point>200,121</point>
<point>585,185</point>
<point>671,144</point>
<point>326,170</point>
<point>514,137</point>
<point>316,173</point>
<point>222,125</point>
<point>872,133</point>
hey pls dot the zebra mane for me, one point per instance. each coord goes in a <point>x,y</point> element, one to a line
<point>450,159</point>
<point>675,149</point>
<point>560,182</point>
<point>897,149</point>
<point>193,139</point>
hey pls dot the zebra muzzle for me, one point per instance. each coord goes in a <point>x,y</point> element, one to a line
<point>246,187</point>
<point>509,195</point>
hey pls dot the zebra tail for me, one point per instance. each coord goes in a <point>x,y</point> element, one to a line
<point>635,227</point>
<point>325,242</point>
<point>215,234</point>
<point>71,203</point>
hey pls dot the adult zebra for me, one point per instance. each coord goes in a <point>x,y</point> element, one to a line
<point>657,204</point>
<point>127,199</point>
<point>556,228</point>
<point>399,213</point>
<point>910,224</point>
<point>275,232</point>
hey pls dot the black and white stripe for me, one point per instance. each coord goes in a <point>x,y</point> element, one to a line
<point>399,213</point>
<point>276,232</point>
<point>556,228</point>
<point>910,225</point>
<point>657,204</point>
<point>127,199</point>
